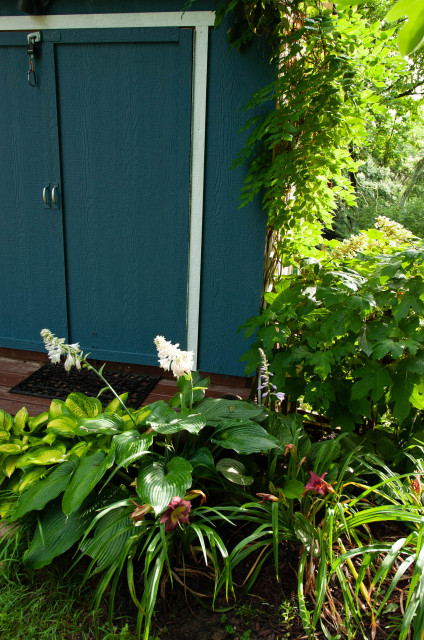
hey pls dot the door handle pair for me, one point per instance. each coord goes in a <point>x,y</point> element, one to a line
<point>51,196</point>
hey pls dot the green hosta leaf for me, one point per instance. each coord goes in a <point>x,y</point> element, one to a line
<point>114,406</point>
<point>190,391</point>
<point>37,496</point>
<point>294,489</point>
<point>30,477</point>
<point>244,437</point>
<point>64,426</point>
<point>131,443</point>
<point>6,420</point>
<point>385,447</point>
<point>19,421</point>
<point>4,435</point>
<point>202,462</point>
<point>90,471</point>
<point>42,455</point>
<point>160,481</point>
<point>235,471</point>
<point>83,406</point>
<point>37,422</point>
<point>59,533</point>
<point>108,424</point>
<point>159,411</point>
<point>192,424</point>
<point>216,409</point>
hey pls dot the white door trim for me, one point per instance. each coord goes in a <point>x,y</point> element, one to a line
<point>108,20</point>
<point>200,21</point>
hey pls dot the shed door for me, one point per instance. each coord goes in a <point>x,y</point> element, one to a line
<point>124,115</point>
<point>32,267</point>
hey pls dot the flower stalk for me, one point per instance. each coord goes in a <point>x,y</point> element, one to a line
<point>57,347</point>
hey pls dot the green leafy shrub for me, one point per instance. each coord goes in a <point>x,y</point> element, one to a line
<point>346,334</point>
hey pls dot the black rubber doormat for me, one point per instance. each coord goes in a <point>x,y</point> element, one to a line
<point>52,381</point>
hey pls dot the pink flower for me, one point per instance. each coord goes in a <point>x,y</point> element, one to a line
<point>139,512</point>
<point>417,486</point>
<point>267,496</point>
<point>290,448</point>
<point>177,513</point>
<point>317,484</point>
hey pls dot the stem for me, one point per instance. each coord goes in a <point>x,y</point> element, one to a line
<point>91,368</point>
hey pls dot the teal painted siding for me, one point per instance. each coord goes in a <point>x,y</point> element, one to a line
<point>233,239</point>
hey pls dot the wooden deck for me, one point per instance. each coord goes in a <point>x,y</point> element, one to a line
<point>15,366</point>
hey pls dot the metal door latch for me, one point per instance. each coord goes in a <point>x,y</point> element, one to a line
<point>32,38</point>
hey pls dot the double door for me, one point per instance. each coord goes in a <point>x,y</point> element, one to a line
<point>95,188</point>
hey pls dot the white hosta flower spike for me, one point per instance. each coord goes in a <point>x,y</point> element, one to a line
<point>172,358</point>
<point>56,347</point>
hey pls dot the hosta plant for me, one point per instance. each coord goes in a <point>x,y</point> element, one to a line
<point>120,483</point>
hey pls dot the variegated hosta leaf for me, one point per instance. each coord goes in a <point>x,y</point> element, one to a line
<point>90,471</point>
<point>82,406</point>
<point>110,537</point>
<point>6,420</point>
<point>217,409</point>
<point>59,533</point>
<point>42,455</point>
<point>49,438</point>
<point>64,426</point>
<point>59,408</point>
<point>131,443</point>
<point>192,424</point>
<point>8,464</point>
<point>37,422</point>
<point>107,423</point>
<point>19,421</point>
<point>244,437</point>
<point>4,435</point>
<point>12,447</point>
<point>235,471</point>
<point>47,489</point>
<point>30,477</point>
<point>80,449</point>
<point>160,481</point>
<point>114,406</point>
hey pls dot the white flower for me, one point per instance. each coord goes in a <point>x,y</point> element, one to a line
<point>171,357</point>
<point>56,347</point>
<point>69,362</point>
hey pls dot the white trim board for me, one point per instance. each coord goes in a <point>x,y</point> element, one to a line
<point>200,20</point>
<point>108,20</point>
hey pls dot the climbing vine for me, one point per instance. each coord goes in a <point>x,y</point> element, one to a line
<point>332,68</point>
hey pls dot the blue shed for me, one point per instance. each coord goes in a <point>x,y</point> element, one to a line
<point>119,215</point>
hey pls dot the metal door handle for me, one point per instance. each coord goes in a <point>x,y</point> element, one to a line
<point>55,197</point>
<point>45,195</point>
